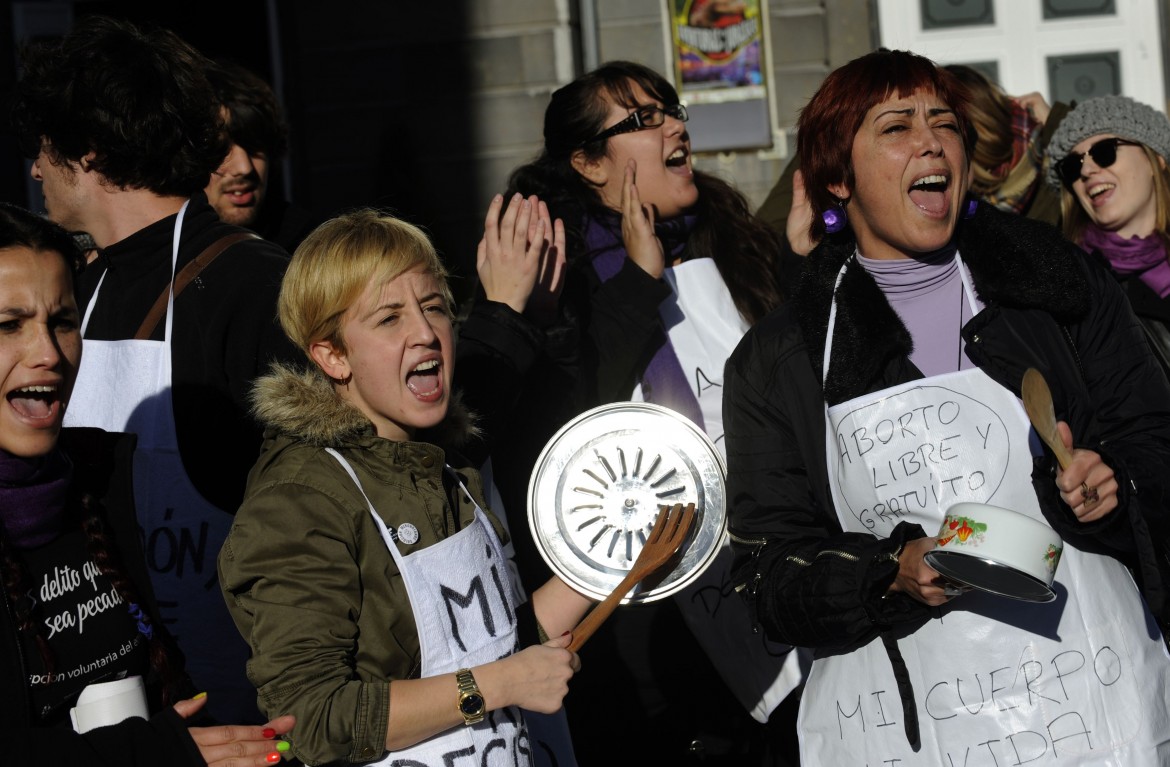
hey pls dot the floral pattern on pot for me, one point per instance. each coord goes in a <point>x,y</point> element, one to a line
<point>1052,557</point>
<point>969,532</point>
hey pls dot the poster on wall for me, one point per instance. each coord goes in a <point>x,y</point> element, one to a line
<point>718,50</point>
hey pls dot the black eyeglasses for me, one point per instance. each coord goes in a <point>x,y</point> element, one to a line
<point>643,117</point>
<point>1104,154</point>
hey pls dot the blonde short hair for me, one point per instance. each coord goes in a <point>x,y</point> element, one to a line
<point>338,260</point>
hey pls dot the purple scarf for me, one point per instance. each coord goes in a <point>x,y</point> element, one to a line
<point>1143,256</point>
<point>663,381</point>
<point>33,494</point>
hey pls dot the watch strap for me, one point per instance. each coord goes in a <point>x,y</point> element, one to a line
<point>471,704</point>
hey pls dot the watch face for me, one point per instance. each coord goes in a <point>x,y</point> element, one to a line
<point>471,704</point>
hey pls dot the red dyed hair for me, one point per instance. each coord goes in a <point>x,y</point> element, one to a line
<point>831,119</point>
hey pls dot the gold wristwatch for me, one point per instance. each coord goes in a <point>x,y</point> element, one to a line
<point>471,703</point>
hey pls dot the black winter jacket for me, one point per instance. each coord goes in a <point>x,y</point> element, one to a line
<point>1153,312</point>
<point>1046,306</point>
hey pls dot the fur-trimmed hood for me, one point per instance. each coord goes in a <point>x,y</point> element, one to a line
<point>1014,262</point>
<point>300,402</point>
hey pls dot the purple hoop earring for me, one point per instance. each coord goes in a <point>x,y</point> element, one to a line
<point>835,219</point>
<point>969,210</point>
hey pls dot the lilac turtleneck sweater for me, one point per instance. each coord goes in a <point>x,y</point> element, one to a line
<point>927,294</point>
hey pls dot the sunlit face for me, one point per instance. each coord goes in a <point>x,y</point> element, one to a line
<point>665,178</point>
<point>1119,198</point>
<point>910,177</point>
<point>399,355</point>
<point>40,348</point>
<point>66,189</point>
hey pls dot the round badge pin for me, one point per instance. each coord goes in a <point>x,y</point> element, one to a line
<point>407,533</point>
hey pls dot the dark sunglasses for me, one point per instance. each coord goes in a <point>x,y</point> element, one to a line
<point>1104,154</point>
<point>642,117</point>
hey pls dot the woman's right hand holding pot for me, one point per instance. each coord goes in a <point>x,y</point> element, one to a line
<point>917,579</point>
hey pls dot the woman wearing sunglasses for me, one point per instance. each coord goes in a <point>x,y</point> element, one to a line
<point>667,268</point>
<point>1109,159</point>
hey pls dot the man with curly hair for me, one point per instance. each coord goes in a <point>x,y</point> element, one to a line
<point>126,130</point>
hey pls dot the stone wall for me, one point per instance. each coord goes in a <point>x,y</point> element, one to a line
<point>425,109</point>
<point>808,38</point>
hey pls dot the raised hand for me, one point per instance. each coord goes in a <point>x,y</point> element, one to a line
<point>520,259</point>
<point>550,279</point>
<point>508,256</point>
<point>1036,106</point>
<point>800,217</point>
<point>642,245</point>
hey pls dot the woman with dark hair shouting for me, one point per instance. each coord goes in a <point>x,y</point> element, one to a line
<point>667,268</point>
<point>78,610</point>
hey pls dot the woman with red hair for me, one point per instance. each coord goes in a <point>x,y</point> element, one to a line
<point>887,391</point>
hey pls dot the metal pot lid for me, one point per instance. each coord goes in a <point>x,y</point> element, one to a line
<point>990,575</point>
<point>599,484</point>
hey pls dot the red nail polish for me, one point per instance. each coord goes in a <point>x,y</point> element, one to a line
<point>273,758</point>
<point>268,733</point>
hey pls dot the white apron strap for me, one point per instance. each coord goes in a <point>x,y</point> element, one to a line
<point>174,262</point>
<point>388,533</point>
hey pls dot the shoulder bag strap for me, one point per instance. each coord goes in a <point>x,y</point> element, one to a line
<point>184,278</point>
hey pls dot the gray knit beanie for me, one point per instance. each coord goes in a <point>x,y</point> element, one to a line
<point>1119,115</point>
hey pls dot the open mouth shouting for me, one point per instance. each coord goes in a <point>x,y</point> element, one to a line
<point>929,193</point>
<point>39,405</point>
<point>425,381</point>
<point>679,159</point>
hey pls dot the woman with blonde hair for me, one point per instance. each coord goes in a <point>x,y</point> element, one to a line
<point>1007,160</point>
<point>362,568</point>
<point>1108,158</point>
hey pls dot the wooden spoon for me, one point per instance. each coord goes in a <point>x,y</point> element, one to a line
<point>1038,404</point>
<point>670,529</point>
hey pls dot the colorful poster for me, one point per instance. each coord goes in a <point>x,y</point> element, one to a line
<point>718,49</point>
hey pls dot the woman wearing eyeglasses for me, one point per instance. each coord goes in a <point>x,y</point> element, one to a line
<point>617,168</point>
<point>667,269</point>
<point>1108,157</point>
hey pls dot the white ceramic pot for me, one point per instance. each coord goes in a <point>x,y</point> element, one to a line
<point>997,550</point>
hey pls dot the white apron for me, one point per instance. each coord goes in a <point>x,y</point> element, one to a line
<point>1081,680</point>
<point>126,386</point>
<point>552,742</point>
<point>465,610</point>
<point>704,327</point>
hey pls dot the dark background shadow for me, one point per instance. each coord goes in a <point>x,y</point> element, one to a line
<point>377,95</point>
